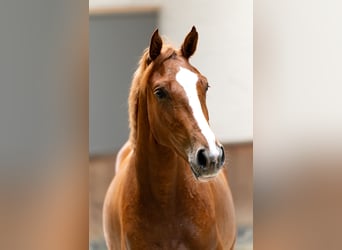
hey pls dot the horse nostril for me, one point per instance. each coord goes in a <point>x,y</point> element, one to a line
<point>201,157</point>
<point>222,155</point>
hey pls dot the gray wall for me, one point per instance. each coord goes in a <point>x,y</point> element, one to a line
<point>116,42</point>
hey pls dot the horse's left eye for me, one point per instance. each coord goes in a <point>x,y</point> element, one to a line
<point>160,93</point>
<point>207,87</point>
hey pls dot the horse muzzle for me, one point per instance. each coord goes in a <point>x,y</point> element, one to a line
<point>205,164</point>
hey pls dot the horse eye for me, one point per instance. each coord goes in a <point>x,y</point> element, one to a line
<point>160,93</point>
<point>207,87</point>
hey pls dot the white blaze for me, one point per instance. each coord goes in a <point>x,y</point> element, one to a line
<point>188,80</point>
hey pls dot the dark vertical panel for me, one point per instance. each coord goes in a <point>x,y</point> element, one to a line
<point>116,44</point>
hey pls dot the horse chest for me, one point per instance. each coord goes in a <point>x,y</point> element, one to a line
<point>182,228</point>
<point>180,234</point>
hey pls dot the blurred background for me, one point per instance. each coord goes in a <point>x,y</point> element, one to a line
<point>297,124</point>
<point>119,31</point>
<point>44,124</point>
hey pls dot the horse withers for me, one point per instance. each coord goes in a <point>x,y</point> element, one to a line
<point>168,191</point>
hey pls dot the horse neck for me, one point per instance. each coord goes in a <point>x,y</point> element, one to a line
<point>157,167</point>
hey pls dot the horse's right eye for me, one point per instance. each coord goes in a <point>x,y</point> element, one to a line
<point>160,93</point>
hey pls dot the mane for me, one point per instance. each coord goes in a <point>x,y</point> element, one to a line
<point>139,83</point>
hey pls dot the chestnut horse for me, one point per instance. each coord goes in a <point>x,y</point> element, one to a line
<point>168,191</point>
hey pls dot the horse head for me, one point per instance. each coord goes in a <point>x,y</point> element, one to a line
<point>175,93</point>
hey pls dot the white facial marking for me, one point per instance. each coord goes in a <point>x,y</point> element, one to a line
<point>188,80</point>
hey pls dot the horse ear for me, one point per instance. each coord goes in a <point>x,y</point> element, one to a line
<point>155,46</point>
<point>190,43</point>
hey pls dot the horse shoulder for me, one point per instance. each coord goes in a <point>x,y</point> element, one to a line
<point>112,207</point>
<point>123,156</point>
<point>224,210</point>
